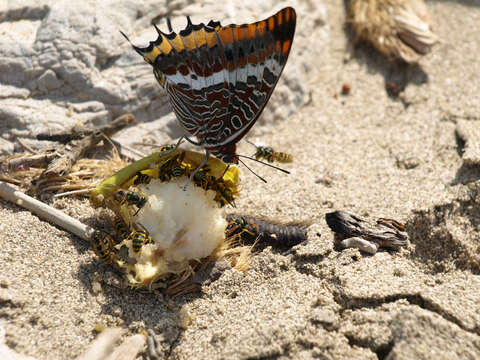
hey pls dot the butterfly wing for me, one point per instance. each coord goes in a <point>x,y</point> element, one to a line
<point>219,78</point>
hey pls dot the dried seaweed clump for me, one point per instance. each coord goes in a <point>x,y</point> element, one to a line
<point>399,29</point>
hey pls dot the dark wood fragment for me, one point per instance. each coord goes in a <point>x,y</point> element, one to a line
<point>385,232</point>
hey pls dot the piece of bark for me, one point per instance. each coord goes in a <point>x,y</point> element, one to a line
<point>77,148</point>
<point>399,29</point>
<point>385,232</point>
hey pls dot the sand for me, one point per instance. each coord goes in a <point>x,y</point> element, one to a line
<point>364,153</point>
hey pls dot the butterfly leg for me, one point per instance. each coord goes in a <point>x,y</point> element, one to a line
<point>197,143</point>
<point>202,165</point>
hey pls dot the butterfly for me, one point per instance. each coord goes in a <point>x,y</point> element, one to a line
<point>219,78</point>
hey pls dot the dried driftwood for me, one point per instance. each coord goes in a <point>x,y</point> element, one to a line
<point>77,148</point>
<point>353,231</point>
<point>399,29</point>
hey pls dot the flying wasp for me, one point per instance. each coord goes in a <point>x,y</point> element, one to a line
<point>131,198</point>
<point>267,153</point>
<point>103,245</point>
<point>140,238</point>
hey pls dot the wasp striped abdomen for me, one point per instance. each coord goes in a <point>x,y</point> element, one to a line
<point>142,178</point>
<point>140,238</point>
<point>103,245</point>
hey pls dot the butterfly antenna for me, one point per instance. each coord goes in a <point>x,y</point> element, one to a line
<point>253,172</point>
<point>251,143</point>
<point>264,163</point>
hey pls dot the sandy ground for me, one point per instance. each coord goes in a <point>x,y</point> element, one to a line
<point>364,153</point>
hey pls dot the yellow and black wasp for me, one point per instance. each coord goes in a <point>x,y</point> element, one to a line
<point>103,245</point>
<point>251,229</point>
<point>121,228</point>
<point>130,198</point>
<point>172,168</point>
<point>168,147</point>
<point>200,178</point>
<point>141,178</point>
<point>140,238</point>
<point>267,153</point>
<point>224,194</point>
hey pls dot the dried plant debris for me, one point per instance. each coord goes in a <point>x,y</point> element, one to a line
<point>250,230</point>
<point>64,170</point>
<point>26,172</point>
<point>399,29</point>
<point>353,231</point>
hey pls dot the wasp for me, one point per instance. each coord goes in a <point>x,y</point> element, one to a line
<point>168,147</point>
<point>251,229</point>
<point>200,178</point>
<point>140,238</point>
<point>172,168</point>
<point>121,228</point>
<point>131,198</point>
<point>226,196</point>
<point>177,170</point>
<point>103,245</point>
<point>267,153</point>
<point>141,178</point>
